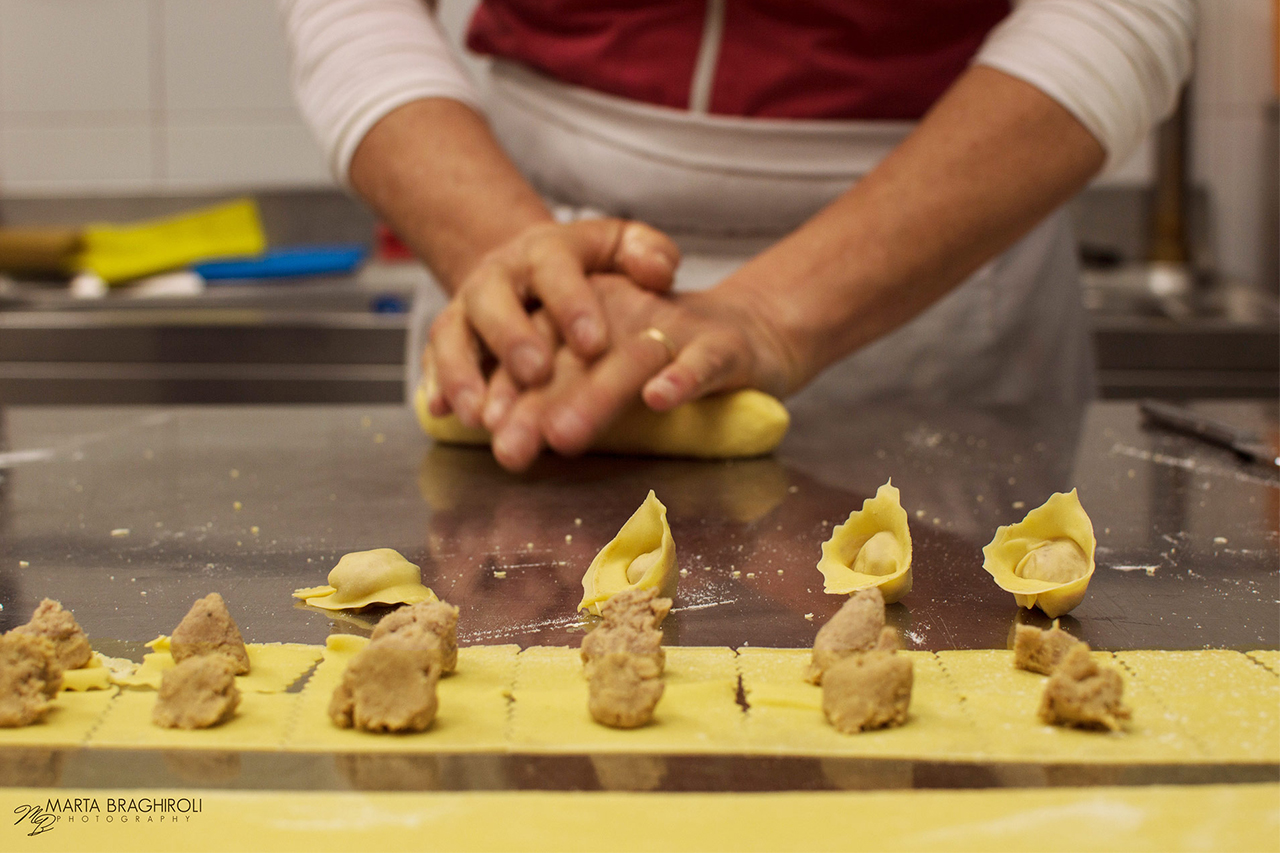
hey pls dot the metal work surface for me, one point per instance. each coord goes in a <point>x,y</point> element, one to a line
<point>127,515</point>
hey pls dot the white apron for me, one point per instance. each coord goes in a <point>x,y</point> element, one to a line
<point>724,188</point>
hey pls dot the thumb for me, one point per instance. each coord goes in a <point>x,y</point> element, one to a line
<point>707,364</point>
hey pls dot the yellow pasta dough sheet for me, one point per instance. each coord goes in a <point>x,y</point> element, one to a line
<point>273,667</point>
<point>473,714</point>
<point>1002,702</point>
<point>1224,818</point>
<point>91,676</point>
<point>73,717</point>
<point>1270,658</point>
<point>785,712</point>
<point>259,724</point>
<point>698,711</point>
<point>1224,701</point>
<point>1193,707</point>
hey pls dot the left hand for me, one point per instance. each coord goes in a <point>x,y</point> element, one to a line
<point>716,345</point>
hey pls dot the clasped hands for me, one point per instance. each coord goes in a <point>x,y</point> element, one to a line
<point>552,335</point>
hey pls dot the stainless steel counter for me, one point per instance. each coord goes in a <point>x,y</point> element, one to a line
<point>128,514</point>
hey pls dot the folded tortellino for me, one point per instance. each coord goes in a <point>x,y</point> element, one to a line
<point>733,425</point>
<point>361,578</point>
<point>641,556</point>
<point>1046,559</point>
<point>871,549</point>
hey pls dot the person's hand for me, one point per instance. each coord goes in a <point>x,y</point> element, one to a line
<point>489,317</point>
<point>666,349</point>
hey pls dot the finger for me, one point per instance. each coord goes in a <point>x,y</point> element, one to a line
<point>503,389</point>
<point>502,395</point>
<point>647,256</point>
<point>707,364</point>
<point>575,416</point>
<point>518,440</point>
<point>437,404</point>
<point>491,298</point>
<point>556,275</point>
<point>456,358</point>
<point>642,252</point>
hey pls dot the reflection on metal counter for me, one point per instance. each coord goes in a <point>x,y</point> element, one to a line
<point>126,515</point>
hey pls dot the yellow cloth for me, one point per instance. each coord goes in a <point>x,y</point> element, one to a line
<point>122,252</point>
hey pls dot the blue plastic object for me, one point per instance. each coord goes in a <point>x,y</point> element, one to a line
<point>388,303</point>
<point>284,263</point>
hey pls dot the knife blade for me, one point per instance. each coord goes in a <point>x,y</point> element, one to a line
<point>1183,420</point>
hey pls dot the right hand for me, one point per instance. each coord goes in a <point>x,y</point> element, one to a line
<point>546,266</point>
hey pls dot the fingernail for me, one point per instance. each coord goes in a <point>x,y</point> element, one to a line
<point>587,332</point>
<point>527,361</point>
<point>662,261</point>
<point>512,444</point>
<point>493,412</point>
<point>466,406</point>
<point>568,426</point>
<point>664,389</point>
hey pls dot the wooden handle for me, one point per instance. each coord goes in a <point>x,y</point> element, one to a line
<point>39,250</point>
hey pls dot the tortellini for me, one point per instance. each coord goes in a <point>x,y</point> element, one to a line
<point>1045,560</point>
<point>641,556</point>
<point>871,549</point>
<point>361,578</point>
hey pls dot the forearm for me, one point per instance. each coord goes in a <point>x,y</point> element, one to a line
<point>990,160</point>
<point>433,170</point>
<point>397,119</point>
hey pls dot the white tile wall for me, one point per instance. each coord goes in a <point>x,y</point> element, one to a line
<point>76,160</point>
<point>1234,83</point>
<point>148,96</point>
<point>1234,53</point>
<point>242,155</point>
<point>229,114</point>
<point>81,56</point>
<point>224,55</point>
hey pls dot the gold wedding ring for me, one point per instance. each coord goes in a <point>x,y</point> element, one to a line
<point>654,333</point>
